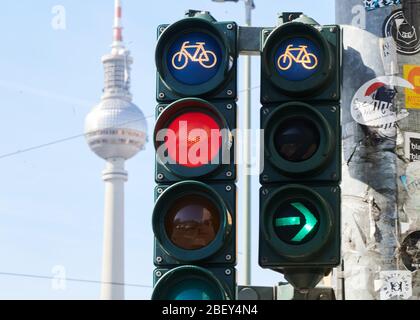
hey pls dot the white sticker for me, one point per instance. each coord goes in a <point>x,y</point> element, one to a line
<point>412,146</point>
<point>396,284</point>
<point>373,103</point>
<point>389,55</point>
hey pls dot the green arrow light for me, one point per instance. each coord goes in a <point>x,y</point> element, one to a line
<point>284,222</point>
<point>310,224</point>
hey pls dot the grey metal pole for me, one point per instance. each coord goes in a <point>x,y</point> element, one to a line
<point>373,200</point>
<point>246,194</point>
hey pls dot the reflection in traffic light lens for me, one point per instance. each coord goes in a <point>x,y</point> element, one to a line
<point>296,221</point>
<point>297,140</point>
<point>194,289</point>
<point>192,222</point>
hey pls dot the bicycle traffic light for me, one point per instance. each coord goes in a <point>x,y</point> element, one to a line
<point>300,116</point>
<point>194,219</point>
<point>196,57</point>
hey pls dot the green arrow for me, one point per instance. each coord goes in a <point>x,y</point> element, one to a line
<point>310,224</point>
<point>290,221</point>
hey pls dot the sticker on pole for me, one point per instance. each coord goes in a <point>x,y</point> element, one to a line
<point>412,96</point>
<point>373,104</point>
<point>403,33</point>
<point>395,284</point>
<point>412,146</point>
<point>410,251</point>
<point>375,4</point>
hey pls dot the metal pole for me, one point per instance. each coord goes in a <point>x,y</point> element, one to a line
<point>370,161</point>
<point>246,199</point>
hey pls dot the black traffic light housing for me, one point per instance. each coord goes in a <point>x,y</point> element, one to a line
<point>322,85</point>
<point>222,167</point>
<point>220,251</point>
<point>223,84</point>
<point>324,165</point>
<point>194,219</point>
<point>323,247</point>
<point>300,203</point>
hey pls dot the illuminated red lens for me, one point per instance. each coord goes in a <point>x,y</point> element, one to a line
<point>194,139</point>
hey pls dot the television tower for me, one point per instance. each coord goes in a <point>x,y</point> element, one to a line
<point>115,130</point>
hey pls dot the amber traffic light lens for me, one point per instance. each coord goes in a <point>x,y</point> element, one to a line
<point>192,222</point>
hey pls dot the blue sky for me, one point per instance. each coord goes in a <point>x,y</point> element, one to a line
<point>51,199</point>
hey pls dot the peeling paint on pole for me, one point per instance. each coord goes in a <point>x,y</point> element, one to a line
<point>381,199</point>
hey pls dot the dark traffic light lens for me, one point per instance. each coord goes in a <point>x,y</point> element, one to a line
<point>297,140</point>
<point>192,222</point>
<point>296,221</point>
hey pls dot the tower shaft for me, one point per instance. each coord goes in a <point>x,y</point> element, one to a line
<point>114,176</point>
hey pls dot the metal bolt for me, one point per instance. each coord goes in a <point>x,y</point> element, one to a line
<point>228,188</point>
<point>265,192</point>
<point>158,274</point>
<point>334,190</point>
<point>228,272</point>
<point>333,29</point>
<point>160,109</point>
<point>333,109</point>
<point>266,111</point>
<point>229,106</point>
<point>229,26</point>
<point>265,177</point>
<point>161,95</point>
<point>228,257</point>
<point>159,259</point>
<point>229,174</point>
<point>334,95</point>
<point>161,29</point>
<point>333,175</point>
<point>159,190</point>
<point>323,296</point>
<point>229,92</point>
<point>160,176</point>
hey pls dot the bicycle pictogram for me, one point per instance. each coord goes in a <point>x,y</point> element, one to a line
<point>206,58</point>
<point>299,55</point>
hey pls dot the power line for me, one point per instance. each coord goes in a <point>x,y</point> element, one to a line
<point>55,142</point>
<point>34,276</point>
<point>40,146</point>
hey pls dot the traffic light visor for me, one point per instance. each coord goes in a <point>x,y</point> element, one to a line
<point>192,138</point>
<point>189,283</point>
<point>298,139</point>
<point>191,221</point>
<point>297,221</point>
<point>297,59</point>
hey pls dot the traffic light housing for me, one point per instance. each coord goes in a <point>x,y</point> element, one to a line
<point>316,77</point>
<point>194,219</point>
<point>194,223</point>
<point>186,68</point>
<point>300,115</point>
<point>180,156</point>
<point>194,283</point>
